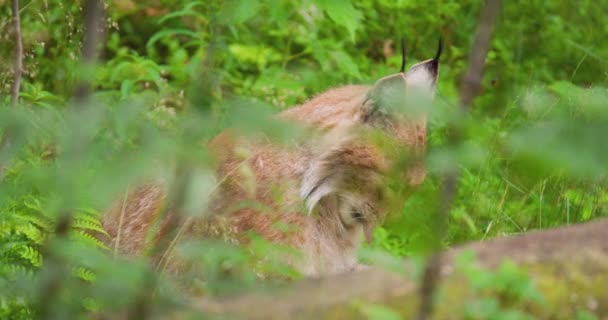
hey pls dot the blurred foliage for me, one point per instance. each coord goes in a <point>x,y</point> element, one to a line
<point>170,75</point>
<point>508,293</point>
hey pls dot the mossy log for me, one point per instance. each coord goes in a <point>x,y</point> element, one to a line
<point>568,265</point>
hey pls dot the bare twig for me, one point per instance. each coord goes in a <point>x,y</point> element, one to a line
<point>4,144</point>
<point>170,218</point>
<point>18,54</point>
<point>54,264</point>
<point>123,209</point>
<point>164,261</point>
<point>432,269</point>
<point>94,22</point>
<point>4,136</point>
<point>204,91</point>
<point>469,88</point>
<point>471,82</point>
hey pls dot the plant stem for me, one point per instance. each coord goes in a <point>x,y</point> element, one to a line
<point>469,88</point>
<point>55,264</point>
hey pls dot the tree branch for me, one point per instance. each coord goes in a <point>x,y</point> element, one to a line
<point>471,82</point>
<point>469,88</point>
<point>18,54</point>
<point>54,264</point>
<point>170,217</point>
<point>94,26</point>
<point>4,136</point>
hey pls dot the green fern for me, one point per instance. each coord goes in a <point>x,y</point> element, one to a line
<point>9,270</point>
<point>86,238</point>
<point>31,254</point>
<point>31,232</point>
<point>25,226</point>
<point>38,220</point>
<point>86,225</point>
<point>88,220</point>
<point>84,273</point>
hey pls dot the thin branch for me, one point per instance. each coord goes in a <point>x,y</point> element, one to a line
<point>4,136</point>
<point>171,216</point>
<point>471,82</point>
<point>469,88</point>
<point>164,262</point>
<point>4,143</point>
<point>94,22</point>
<point>120,222</point>
<point>18,54</point>
<point>432,269</point>
<point>54,264</point>
<point>170,219</point>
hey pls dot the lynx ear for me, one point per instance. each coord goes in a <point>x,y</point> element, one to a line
<point>423,75</point>
<point>387,95</point>
<point>390,93</point>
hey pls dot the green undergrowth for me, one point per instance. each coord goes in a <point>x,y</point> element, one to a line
<point>172,74</point>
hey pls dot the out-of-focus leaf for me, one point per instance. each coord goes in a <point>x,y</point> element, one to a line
<point>188,10</point>
<point>343,13</point>
<point>562,146</point>
<point>378,312</point>
<point>171,33</point>
<point>258,55</point>
<point>237,12</point>
<point>346,64</point>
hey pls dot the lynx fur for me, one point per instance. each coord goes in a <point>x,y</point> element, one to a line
<point>329,189</point>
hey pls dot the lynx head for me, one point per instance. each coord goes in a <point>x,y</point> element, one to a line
<point>397,104</point>
<point>346,180</point>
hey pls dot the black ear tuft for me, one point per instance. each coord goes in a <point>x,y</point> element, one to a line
<point>439,49</point>
<point>403,58</point>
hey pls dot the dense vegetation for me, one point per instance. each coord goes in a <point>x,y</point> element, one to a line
<point>174,73</point>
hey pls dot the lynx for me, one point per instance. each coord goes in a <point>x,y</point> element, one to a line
<point>331,187</point>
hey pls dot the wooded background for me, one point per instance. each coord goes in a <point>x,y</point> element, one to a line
<point>88,108</point>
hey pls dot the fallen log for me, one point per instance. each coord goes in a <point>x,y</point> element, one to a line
<point>568,265</point>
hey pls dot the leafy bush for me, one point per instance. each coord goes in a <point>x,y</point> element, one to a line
<point>532,155</point>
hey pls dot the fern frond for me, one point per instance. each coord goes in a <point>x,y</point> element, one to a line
<point>31,254</point>
<point>84,273</point>
<point>31,232</point>
<point>89,225</point>
<point>79,235</point>
<point>38,220</point>
<point>10,270</point>
<point>33,203</point>
<point>89,212</point>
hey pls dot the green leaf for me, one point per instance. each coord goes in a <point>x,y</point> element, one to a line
<point>343,13</point>
<point>84,274</point>
<point>83,237</point>
<point>30,254</point>
<point>188,10</point>
<point>346,64</point>
<point>170,33</point>
<point>379,312</point>
<point>88,225</point>
<point>258,55</point>
<point>236,12</point>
